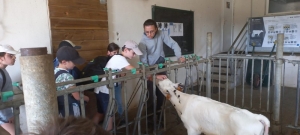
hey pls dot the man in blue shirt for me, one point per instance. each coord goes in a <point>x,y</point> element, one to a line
<point>151,46</point>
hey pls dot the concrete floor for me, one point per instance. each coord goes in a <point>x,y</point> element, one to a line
<point>175,126</point>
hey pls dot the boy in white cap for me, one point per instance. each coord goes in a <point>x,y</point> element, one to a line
<point>117,63</point>
<point>7,58</point>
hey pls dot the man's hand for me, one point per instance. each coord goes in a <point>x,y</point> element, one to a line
<point>181,59</point>
<point>161,77</point>
<point>11,120</point>
<point>86,98</point>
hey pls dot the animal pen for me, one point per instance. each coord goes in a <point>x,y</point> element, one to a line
<point>209,72</point>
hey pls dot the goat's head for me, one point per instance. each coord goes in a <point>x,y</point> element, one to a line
<point>166,85</point>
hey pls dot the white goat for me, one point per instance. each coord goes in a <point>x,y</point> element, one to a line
<point>204,115</point>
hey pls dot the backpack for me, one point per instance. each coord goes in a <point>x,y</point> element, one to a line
<point>94,67</point>
<point>4,79</point>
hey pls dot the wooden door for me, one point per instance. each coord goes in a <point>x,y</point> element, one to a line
<point>84,22</point>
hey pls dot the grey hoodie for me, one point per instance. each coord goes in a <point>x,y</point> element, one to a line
<point>152,49</point>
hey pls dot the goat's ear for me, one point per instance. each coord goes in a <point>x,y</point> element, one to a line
<point>168,96</point>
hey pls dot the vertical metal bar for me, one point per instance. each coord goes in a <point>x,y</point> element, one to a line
<point>186,86</point>
<point>111,102</point>
<point>283,85</point>
<point>211,80</point>
<point>251,91</point>
<point>227,80</point>
<point>162,111</point>
<point>261,81</point>
<point>283,79</point>
<point>146,108</point>
<point>234,100</point>
<point>219,80</point>
<point>274,72</point>
<point>176,73</point>
<point>165,118</point>
<point>204,71</point>
<point>126,107</point>
<point>243,83</point>
<point>82,104</point>
<point>269,81</point>
<point>277,90</point>
<point>16,110</point>
<point>191,79</point>
<point>198,80</point>
<point>297,98</point>
<point>208,66</point>
<point>154,103</point>
<point>66,102</point>
<point>141,105</point>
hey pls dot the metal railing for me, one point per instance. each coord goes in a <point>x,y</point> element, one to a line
<point>239,42</point>
<point>193,62</point>
<point>247,73</point>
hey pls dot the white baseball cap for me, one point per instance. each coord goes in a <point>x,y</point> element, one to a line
<point>8,49</point>
<point>130,44</point>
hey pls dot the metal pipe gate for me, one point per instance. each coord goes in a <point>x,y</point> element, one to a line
<point>225,80</point>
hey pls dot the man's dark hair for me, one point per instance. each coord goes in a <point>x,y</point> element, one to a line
<point>112,47</point>
<point>150,22</point>
<point>71,126</point>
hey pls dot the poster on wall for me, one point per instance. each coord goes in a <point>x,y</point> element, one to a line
<point>179,25</point>
<point>170,28</point>
<point>263,30</point>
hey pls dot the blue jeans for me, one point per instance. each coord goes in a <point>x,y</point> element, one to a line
<point>104,100</point>
<point>118,96</point>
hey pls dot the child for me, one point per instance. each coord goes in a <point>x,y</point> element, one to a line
<point>7,57</point>
<point>68,57</point>
<point>75,72</point>
<point>117,62</point>
<point>112,49</point>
